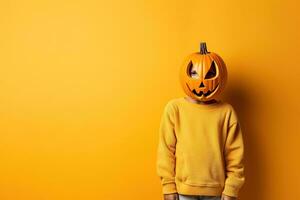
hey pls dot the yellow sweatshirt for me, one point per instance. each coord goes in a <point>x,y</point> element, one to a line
<point>200,149</point>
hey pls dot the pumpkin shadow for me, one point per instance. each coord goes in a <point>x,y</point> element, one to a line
<point>243,99</point>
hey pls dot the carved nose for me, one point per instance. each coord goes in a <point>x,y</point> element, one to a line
<point>201,85</point>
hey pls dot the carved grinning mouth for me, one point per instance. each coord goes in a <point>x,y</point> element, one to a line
<point>201,92</point>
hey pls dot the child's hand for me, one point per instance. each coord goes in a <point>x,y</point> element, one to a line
<point>173,196</point>
<point>225,197</point>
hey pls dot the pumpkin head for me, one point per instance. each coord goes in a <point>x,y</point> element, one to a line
<point>203,75</point>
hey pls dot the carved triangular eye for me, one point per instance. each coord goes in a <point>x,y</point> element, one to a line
<point>212,72</point>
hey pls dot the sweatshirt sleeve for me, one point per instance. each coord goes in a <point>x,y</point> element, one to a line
<point>165,164</point>
<point>234,152</point>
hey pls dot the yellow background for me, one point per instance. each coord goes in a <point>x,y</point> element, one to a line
<point>83,85</point>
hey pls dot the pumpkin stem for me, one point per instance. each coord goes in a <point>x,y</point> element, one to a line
<point>203,48</point>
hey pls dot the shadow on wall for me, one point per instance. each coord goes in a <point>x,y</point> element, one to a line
<point>241,97</point>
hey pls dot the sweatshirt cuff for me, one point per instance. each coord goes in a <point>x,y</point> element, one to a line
<point>169,188</point>
<point>230,191</point>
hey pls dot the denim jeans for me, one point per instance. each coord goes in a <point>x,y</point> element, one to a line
<point>198,197</point>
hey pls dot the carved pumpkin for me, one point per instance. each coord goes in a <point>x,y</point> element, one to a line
<point>203,75</point>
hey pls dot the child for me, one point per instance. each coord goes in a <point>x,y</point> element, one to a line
<point>200,149</point>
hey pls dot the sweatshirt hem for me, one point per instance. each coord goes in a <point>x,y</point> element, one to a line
<point>186,189</point>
